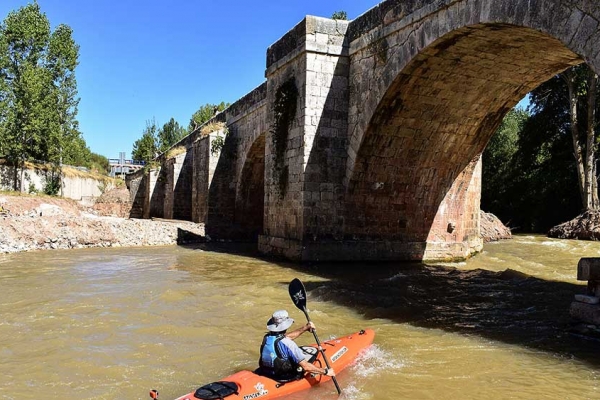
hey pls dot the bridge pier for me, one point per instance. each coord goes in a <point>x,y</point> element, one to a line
<point>309,218</point>
<point>304,189</point>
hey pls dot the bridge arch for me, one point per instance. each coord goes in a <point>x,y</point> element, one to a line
<point>250,193</point>
<point>427,91</point>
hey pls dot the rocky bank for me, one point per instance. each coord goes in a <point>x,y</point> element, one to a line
<point>583,227</point>
<point>38,223</point>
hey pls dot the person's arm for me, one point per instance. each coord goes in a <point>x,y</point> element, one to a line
<point>294,334</point>
<point>313,369</point>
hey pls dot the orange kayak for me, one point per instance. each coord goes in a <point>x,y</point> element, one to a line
<point>247,385</point>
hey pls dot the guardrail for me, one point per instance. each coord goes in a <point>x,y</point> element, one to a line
<point>116,161</point>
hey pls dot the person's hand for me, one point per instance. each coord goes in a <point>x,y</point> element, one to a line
<point>310,326</point>
<point>329,372</point>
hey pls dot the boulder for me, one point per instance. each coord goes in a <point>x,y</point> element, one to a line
<point>492,229</point>
<point>585,226</point>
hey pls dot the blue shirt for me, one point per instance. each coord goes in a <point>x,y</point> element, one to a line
<point>289,349</point>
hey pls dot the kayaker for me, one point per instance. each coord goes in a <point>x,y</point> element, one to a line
<point>280,356</point>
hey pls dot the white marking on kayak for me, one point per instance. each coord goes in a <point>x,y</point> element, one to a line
<point>260,392</point>
<point>339,353</point>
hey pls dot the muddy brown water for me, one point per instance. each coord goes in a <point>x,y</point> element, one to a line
<point>115,323</point>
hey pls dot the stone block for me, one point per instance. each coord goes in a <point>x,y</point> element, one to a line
<point>589,313</point>
<point>588,269</point>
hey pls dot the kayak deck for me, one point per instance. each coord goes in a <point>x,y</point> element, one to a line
<point>340,353</point>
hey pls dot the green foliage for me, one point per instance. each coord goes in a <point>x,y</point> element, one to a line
<point>146,148</point>
<point>217,145</point>
<point>497,159</point>
<point>341,15</point>
<point>32,189</point>
<point>169,134</point>
<point>205,113</point>
<point>52,184</point>
<point>284,110</point>
<point>529,172</point>
<point>38,89</point>
<point>98,163</point>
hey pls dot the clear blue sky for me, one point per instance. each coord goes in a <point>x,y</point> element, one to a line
<point>160,59</point>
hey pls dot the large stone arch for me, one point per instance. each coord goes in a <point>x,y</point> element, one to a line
<point>428,88</point>
<point>250,193</point>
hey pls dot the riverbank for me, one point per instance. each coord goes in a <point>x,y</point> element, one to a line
<point>41,223</point>
<point>44,222</point>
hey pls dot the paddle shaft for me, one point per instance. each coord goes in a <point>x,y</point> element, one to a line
<point>314,332</point>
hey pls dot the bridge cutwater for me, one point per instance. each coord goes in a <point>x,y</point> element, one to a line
<point>365,140</point>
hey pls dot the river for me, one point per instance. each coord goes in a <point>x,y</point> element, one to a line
<point>115,323</point>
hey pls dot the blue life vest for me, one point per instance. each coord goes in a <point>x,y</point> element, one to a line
<point>272,362</point>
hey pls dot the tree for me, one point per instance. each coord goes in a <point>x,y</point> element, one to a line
<point>38,104</point>
<point>145,148</point>
<point>555,153</point>
<point>98,163</point>
<point>169,134</point>
<point>569,100</point>
<point>497,162</point>
<point>581,84</point>
<point>341,15</point>
<point>205,113</point>
<point>63,55</point>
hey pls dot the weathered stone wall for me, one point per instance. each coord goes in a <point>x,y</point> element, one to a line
<point>430,82</point>
<point>167,183</point>
<point>137,183</point>
<point>391,112</point>
<point>242,155</point>
<point>283,225</point>
<point>203,169</point>
<point>156,192</point>
<point>182,190</point>
<point>315,152</point>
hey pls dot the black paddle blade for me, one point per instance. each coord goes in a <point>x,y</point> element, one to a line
<point>298,294</point>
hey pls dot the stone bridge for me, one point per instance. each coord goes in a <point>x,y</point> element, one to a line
<point>365,141</point>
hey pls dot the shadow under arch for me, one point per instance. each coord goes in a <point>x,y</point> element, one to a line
<point>417,159</point>
<point>504,306</point>
<point>250,195</point>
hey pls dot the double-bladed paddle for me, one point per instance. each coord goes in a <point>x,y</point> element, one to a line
<point>298,295</point>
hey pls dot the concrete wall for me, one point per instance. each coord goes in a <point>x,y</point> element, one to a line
<point>78,187</point>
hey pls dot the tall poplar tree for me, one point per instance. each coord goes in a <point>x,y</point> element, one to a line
<point>38,90</point>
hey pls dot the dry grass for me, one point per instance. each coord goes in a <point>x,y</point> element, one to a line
<point>37,195</point>
<point>175,151</point>
<point>69,172</point>
<point>212,127</point>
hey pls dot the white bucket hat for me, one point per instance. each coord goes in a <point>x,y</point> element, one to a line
<point>279,322</point>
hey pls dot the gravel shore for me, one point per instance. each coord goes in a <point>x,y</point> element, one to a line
<point>31,223</point>
<point>40,223</point>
